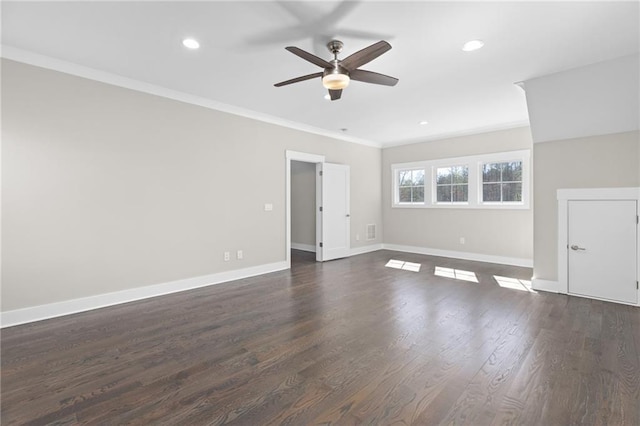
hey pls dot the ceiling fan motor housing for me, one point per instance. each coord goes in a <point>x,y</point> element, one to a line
<point>336,69</point>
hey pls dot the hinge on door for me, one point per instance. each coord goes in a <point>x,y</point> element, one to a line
<point>320,172</point>
<point>637,286</point>
<point>320,208</point>
<point>320,244</point>
<point>637,219</point>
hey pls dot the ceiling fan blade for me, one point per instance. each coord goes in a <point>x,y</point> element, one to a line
<point>335,94</point>
<point>365,55</point>
<point>373,77</point>
<point>309,57</point>
<point>299,79</point>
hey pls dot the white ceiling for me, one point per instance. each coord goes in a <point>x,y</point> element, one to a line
<point>242,54</point>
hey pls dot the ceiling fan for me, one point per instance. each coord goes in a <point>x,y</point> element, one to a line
<point>337,73</point>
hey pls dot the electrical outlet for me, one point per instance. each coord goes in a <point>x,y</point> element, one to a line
<point>227,256</point>
<point>462,240</point>
<point>357,237</point>
<point>239,254</point>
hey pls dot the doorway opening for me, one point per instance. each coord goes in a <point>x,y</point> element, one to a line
<point>303,212</point>
<point>300,163</point>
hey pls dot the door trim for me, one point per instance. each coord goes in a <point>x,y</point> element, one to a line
<point>294,156</point>
<point>585,194</point>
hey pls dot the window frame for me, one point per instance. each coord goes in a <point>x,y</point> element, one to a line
<point>434,171</point>
<point>396,180</point>
<point>474,164</point>
<point>482,183</point>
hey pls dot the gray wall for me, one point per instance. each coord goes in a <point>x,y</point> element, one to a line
<point>607,161</point>
<point>506,233</point>
<point>596,99</point>
<point>303,203</point>
<point>106,189</point>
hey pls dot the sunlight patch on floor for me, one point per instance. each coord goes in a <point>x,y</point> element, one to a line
<point>407,266</point>
<point>457,274</point>
<point>514,283</point>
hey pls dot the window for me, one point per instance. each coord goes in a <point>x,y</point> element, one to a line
<point>488,181</point>
<point>411,186</point>
<point>502,182</point>
<point>452,184</point>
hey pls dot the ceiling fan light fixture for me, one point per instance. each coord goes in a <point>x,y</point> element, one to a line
<point>335,81</point>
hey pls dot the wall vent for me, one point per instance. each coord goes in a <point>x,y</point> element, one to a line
<point>371,232</point>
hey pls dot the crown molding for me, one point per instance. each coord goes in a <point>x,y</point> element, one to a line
<point>458,134</point>
<point>48,62</point>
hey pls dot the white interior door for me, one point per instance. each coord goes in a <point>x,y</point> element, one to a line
<point>602,249</point>
<point>333,224</point>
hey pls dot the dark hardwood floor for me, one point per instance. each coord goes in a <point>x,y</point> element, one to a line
<point>344,342</point>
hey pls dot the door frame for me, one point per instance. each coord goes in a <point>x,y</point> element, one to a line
<point>294,156</point>
<point>586,194</point>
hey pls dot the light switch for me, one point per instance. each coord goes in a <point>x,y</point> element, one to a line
<point>268,207</point>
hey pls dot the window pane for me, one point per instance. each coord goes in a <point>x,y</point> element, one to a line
<point>491,192</point>
<point>491,172</point>
<point>418,194</point>
<point>460,193</point>
<point>405,194</point>
<point>512,171</point>
<point>444,175</point>
<point>404,177</point>
<point>418,177</point>
<point>511,192</point>
<point>460,174</point>
<point>444,194</point>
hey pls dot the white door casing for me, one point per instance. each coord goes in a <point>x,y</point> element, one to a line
<point>565,195</point>
<point>602,249</point>
<point>333,224</point>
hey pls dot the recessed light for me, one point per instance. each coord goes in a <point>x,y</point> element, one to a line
<point>190,43</point>
<point>472,45</point>
<point>423,122</point>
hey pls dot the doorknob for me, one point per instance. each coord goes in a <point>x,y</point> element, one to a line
<point>348,215</point>
<point>576,248</point>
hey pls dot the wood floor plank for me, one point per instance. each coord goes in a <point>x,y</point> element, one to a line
<point>478,403</point>
<point>336,343</point>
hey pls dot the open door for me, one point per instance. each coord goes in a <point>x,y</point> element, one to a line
<point>333,222</point>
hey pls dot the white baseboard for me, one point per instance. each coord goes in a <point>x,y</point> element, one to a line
<point>67,307</point>
<point>303,247</point>
<point>545,285</point>
<point>354,251</point>
<point>514,261</point>
<point>365,249</point>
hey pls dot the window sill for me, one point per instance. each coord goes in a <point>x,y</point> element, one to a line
<point>463,206</point>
